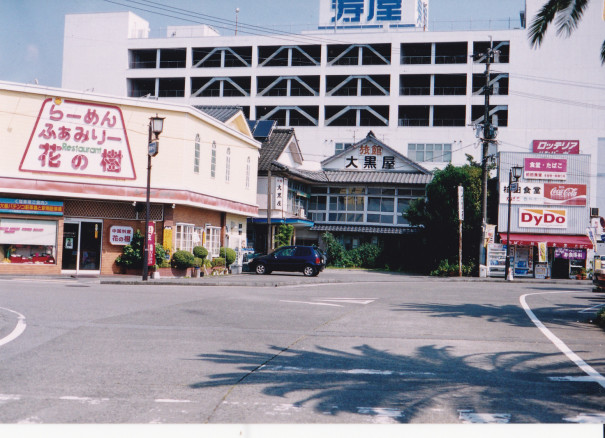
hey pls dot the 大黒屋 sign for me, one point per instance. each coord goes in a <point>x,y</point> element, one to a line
<point>79,138</point>
<point>545,168</point>
<point>564,147</point>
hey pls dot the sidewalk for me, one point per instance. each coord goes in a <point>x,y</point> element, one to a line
<point>329,276</point>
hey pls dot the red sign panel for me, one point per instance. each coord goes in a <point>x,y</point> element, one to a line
<point>545,168</point>
<point>565,194</point>
<point>151,244</point>
<point>556,146</point>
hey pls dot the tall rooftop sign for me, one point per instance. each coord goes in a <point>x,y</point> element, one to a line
<point>357,14</point>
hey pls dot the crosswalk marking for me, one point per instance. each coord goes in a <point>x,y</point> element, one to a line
<point>468,417</point>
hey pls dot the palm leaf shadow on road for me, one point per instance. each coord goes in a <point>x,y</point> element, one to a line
<point>334,381</point>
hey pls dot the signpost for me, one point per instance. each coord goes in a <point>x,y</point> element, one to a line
<point>460,219</point>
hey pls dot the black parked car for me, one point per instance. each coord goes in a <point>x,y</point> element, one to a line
<point>305,259</point>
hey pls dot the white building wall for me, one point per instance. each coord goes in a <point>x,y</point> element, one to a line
<point>555,92</point>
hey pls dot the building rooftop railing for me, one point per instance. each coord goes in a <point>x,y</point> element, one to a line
<point>509,23</point>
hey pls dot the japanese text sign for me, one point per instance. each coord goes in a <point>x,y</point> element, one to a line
<point>79,138</point>
<point>545,168</point>
<point>570,253</point>
<point>349,13</point>
<point>369,157</point>
<point>281,193</point>
<point>556,146</point>
<point>31,206</point>
<point>545,194</point>
<point>120,235</point>
<point>151,244</point>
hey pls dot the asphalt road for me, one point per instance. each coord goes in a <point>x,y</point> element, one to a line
<point>342,348</point>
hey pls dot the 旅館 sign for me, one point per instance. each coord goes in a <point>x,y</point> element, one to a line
<point>79,138</point>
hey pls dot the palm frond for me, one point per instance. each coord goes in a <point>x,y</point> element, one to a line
<point>568,19</point>
<point>603,53</point>
<point>545,16</point>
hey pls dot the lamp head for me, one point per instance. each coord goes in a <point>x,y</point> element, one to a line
<point>517,171</point>
<point>157,125</point>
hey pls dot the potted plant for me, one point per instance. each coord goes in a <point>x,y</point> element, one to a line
<point>581,275</point>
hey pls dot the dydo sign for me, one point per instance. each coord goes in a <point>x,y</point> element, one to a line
<point>542,218</point>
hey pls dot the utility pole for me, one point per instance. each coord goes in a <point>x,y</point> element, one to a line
<point>269,195</point>
<point>489,133</point>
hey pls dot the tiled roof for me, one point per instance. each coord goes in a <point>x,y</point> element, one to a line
<point>362,176</point>
<point>273,147</point>
<point>222,113</point>
<point>363,229</point>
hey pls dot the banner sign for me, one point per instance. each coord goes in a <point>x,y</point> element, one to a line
<point>545,168</point>
<point>556,146</point>
<point>545,194</point>
<point>31,206</point>
<point>120,235</point>
<point>542,218</point>
<point>569,253</point>
<point>151,244</point>
<point>281,193</point>
<point>79,138</point>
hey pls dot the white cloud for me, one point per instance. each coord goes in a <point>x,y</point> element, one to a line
<point>32,53</point>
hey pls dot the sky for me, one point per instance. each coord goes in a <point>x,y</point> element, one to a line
<point>31,31</point>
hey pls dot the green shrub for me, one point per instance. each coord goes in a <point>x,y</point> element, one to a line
<point>218,261</point>
<point>200,252</point>
<point>198,262</point>
<point>228,254</point>
<point>132,254</point>
<point>366,255</point>
<point>447,269</point>
<point>284,234</point>
<point>182,259</point>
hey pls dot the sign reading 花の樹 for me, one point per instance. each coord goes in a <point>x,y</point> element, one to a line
<point>79,138</point>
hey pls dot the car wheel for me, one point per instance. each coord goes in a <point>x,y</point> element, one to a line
<point>261,269</point>
<point>310,271</point>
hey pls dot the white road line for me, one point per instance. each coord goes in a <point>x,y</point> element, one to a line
<point>17,331</point>
<point>168,400</point>
<point>362,301</point>
<point>313,304</point>
<point>595,418</point>
<point>591,309</point>
<point>590,371</point>
<point>470,417</point>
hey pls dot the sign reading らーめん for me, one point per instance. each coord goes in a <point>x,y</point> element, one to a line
<point>79,138</point>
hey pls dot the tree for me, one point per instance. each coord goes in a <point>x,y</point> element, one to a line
<point>437,215</point>
<point>284,235</point>
<point>566,13</point>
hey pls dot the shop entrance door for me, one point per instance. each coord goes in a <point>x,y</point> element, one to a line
<point>82,246</point>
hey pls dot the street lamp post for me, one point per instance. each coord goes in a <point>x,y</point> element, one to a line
<point>156,125</point>
<point>514,172</point>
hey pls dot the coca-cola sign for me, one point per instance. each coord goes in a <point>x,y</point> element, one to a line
<point>556,146</point>
<point>565,194</point>
<point>537,193</point>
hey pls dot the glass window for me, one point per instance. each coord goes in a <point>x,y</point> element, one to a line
<point>437,152</point>
<point>213,241</point>
<point>373,218</point>
<point>184,237</point>
<point>387,204</point>
<point>373,204</point>
<point>196,155</point>
<point>28,241</point>
<point>213,160</point>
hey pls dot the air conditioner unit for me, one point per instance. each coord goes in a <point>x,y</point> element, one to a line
<point>301,212</point>
<point>594,212</point>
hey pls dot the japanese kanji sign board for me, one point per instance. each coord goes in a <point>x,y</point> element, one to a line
<point>545,194</point>
<point>79,138</point>
<point>349,13</point>
<point>369,157</point>
<point>120,235</point>
<point>281,193</point>
<point>545,168</point>
<point>565,147</point>
<point>31,206</point>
